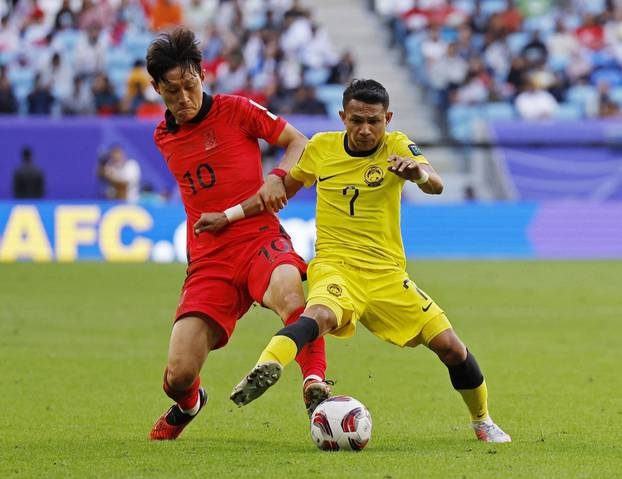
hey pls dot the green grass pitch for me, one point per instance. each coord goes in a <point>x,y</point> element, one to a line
<point>83,347</point>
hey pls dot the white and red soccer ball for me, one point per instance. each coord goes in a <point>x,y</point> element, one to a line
<point>341,423</point>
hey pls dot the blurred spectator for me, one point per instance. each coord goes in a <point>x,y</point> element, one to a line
<point>606,106</point>
<point>106,100</point>
<point>343,71</point>
<point>319,53</point>
<point>56,76</point>
<point>561,44</point>
<point>231,75</point>
<point>9,36</point>
<point>249,91</point>
<point>579,67</point>
<point>433,47</point>
<point>40,100</point>
<point>516,75</point>
<point>296,34</point>
<point>80,101</point>
<point>65,17</point>
<point>138,80</point>
<point>448,72</point>
<point>306,103</point>
<point>90,53</point>
<point>511,18</point>
<point>166,14</point>
<point>122,175</point>
<point>8,102</point>
<point>28,179</point>
<point>535,52</point>
<point>152,106</point>
<point>498,57</point>
<point>535,103</point>
<point>198,14</point>
<point>590,34</point>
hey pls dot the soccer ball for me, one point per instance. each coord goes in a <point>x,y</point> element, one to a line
<point>341,423</point>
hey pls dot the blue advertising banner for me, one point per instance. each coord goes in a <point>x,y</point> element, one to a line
<point>109,231</point>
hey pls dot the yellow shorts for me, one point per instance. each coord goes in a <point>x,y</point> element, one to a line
<point>387,302</point>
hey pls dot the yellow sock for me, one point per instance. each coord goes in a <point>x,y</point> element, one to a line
<point>280,349</point>
<point>477,401</point>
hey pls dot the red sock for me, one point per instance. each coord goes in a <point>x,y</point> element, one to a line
<point>311,358</point>
<point>187,398</point>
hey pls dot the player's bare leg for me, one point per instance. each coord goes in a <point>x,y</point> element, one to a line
<point>316,321</point>
<point>285,296</point>
<point>191,340</point>
<point>468,380</point>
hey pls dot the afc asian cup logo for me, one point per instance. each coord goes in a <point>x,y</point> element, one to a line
<point>374,176</point>
<point>334,289</point>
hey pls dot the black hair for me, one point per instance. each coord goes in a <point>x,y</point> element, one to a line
<point>179,48</point>
<point>367,91</point>
<point>26,153</point>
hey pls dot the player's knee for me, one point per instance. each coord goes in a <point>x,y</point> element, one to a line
<point>449,348</point>
<point>180,377</point>
<point>292,302</point>
<point>324,317</point>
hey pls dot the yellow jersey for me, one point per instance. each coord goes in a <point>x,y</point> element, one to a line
<point>358,198</point>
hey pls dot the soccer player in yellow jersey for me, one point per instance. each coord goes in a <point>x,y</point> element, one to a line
<point>358,273</point>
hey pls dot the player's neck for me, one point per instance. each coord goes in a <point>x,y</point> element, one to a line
<point>358,153</point>
<point>206,104</point>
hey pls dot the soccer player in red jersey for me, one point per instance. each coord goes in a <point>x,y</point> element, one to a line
<point>210,144</point>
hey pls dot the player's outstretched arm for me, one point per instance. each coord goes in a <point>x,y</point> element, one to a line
<point>272,192</point>
<point>424,175</point>
<point>214,222</point>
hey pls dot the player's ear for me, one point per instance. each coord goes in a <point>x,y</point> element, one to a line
<point>202,74</point>
<point>388,116</point>
<point>155,87</point>
<point>342,115</point>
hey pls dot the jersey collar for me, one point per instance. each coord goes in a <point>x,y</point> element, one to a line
<point>358,154</point>
<point>173,127</point>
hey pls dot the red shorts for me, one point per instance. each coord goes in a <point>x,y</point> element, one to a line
<point>223,287</point>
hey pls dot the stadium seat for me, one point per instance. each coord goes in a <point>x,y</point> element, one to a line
<point>118,58</point>
<point>330,93</point>
<point>136,43</point>
<point>603,59</point>
<point>545,24</point>
<point>616,95</point>
<point>499,111</point>
<point>316,76</point>
<point>22,80</point>
<point>517,40</point>
<point>493,6</point>
<point>609,75</point>
<point>461,119</point>
<point>118,77</point>
<point>585,97</point>
<point>568,111</point>
<point>65,41</point>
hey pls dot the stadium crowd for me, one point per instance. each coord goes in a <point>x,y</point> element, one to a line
<point>500,59</point>
<point>83,57</point>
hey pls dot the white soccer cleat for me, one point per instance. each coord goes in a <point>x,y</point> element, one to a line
<point>256,383</point>
<point>488,431</point>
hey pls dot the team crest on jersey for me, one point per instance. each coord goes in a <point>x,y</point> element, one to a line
<point>210,140</point>
<point>334,289</point>
<point>374,176</point>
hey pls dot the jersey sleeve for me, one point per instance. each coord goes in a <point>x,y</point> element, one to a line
<point>305,169</point>
<point>405,147</point>
<point>258,122</point>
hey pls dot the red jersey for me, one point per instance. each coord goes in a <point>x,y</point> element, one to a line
<point>216,161</point>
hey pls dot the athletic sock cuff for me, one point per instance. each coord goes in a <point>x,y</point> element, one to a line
<point>301,332</point>
<point>467,374</point>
